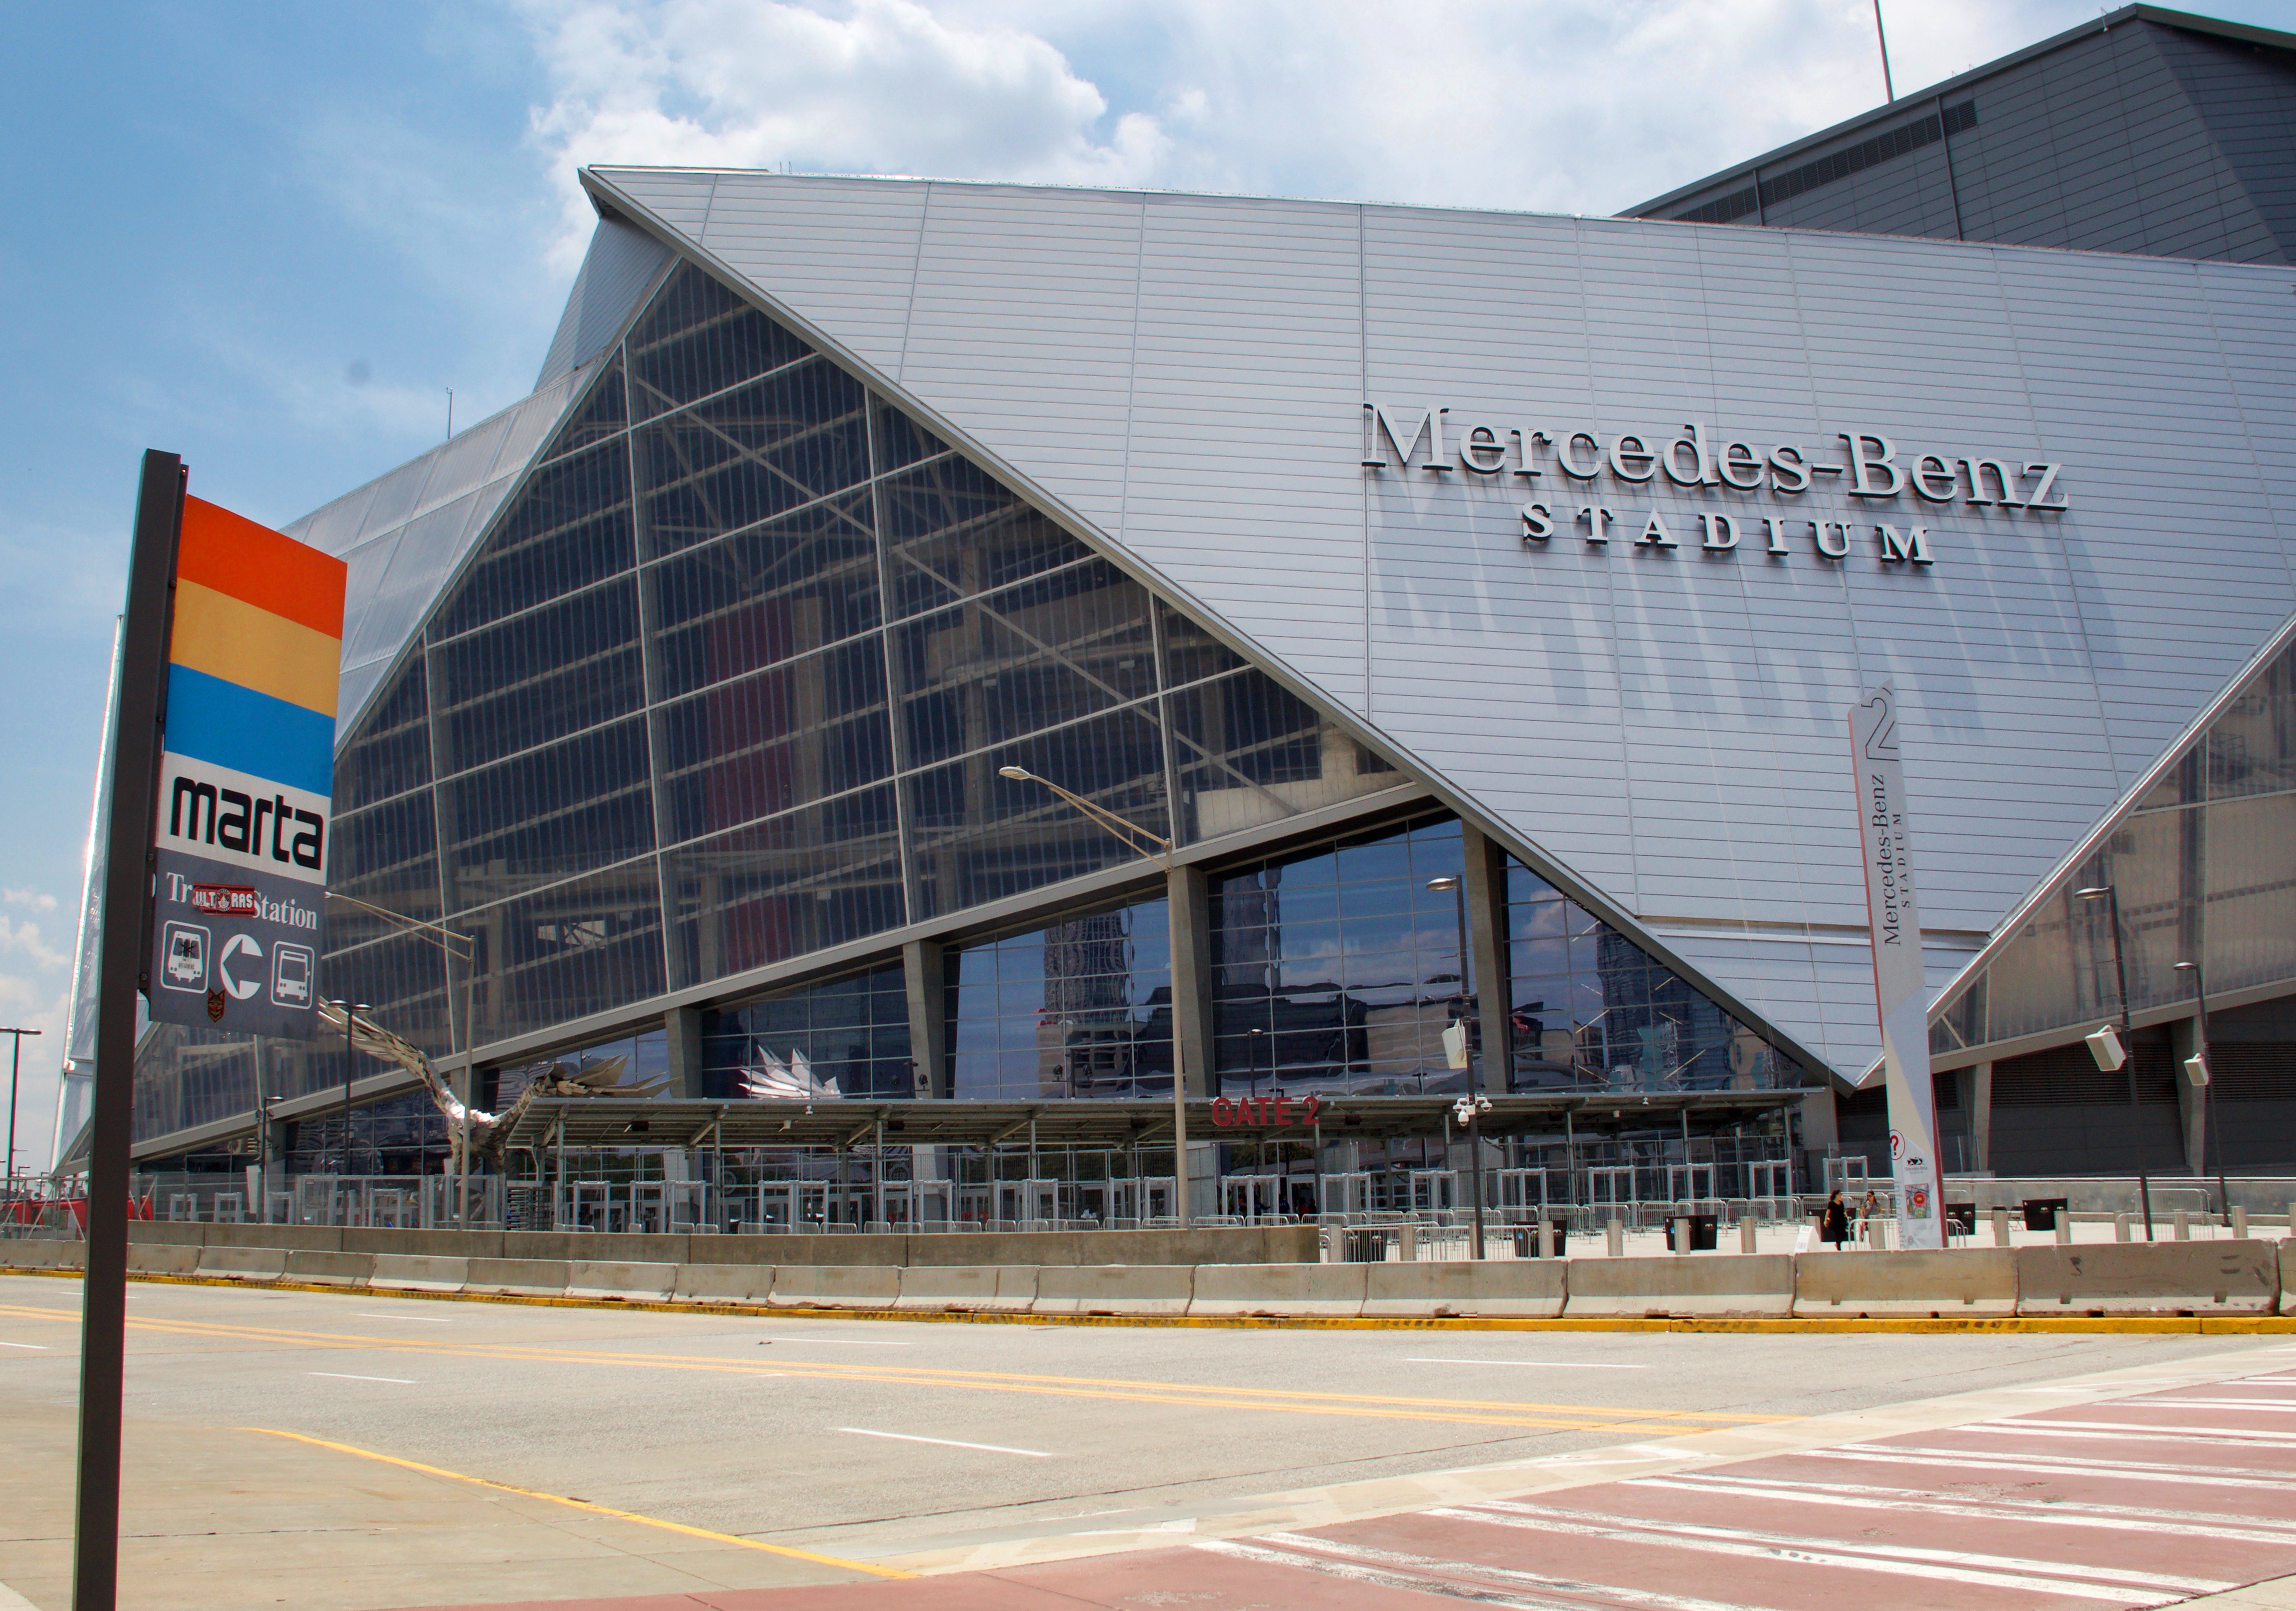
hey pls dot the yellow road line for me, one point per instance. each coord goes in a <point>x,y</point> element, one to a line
<point>575,1504</point>
<point>1479,1412</point>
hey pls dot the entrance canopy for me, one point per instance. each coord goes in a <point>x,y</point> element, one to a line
<point>610,1122</point>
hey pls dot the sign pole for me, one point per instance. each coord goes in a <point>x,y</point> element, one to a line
<point>1901,997</point>
<point>128,862</point>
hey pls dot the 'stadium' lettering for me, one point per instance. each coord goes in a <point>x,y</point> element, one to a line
<point>199,812</point>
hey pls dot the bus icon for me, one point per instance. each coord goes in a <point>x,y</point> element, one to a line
<point>290,975</point>
<point>184,954</point>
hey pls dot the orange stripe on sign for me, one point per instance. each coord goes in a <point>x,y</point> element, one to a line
<point>255,564</point>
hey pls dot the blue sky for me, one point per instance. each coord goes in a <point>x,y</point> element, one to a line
<point>270,237</point>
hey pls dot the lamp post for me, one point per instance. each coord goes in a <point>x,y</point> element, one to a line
<point>349,1010</point>
<point>1131,835</point>
<point>15,1062</point>
<point>466,948</point>
<point>1473,1106</point>
<point>2208,1083</point>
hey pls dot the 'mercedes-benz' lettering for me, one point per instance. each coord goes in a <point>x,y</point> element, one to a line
<point>1870,468</point>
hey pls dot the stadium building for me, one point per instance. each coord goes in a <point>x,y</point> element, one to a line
<point>1449,620</point>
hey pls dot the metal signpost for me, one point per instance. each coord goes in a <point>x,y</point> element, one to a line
<point>1901,999</point>
<point>221,788</point>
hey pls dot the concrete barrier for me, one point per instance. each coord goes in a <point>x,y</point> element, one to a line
<point>1525,1289</point>
<point>41,1252</point>
<point>1165,1290</point>
<point>974,1288</point>
<point>1702,1287</point>
<point>722,1283</point>
<point>1281,1289</point>
<point>516,1277</point>
<point>328,1269</point>
<point>163,1259</point>
<point>244,1263</point>
<point>2156,1278</point>
<point>609,1279</point>
<point>418,1272</point>
<point>2288,1272</point>
<point>1962,1282</point>
<point>835,1287</point>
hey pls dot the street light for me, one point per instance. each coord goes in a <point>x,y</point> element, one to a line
<point>1474,1104</point>
<point>1469,1110</point>
<point>466,948</point>
<point>349,1010</point>
<point>1137,840</point>
<point>2199,1063</point>
<point>2112,898</point>
<point>15,1060</point>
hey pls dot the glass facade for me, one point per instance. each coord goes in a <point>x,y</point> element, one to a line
<point>1588,1009</point>
<point>1081,1009</point>
<point>728,681</point>
<point>1338,970</point>
<point>2204,867</point>
<point>849,1037</point>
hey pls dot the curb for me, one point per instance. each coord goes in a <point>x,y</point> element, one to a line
<point>2172,1325</point>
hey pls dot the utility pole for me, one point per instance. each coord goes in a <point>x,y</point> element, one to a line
<point>15,1062</point>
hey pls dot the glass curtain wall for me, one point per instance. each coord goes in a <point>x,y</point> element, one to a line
<point>1591,1010</point>
<point>729,682</point>
<point>845,1038</point>
<point>1338,970</point>
<point>1080,1008</point>
<point>2204,867</point>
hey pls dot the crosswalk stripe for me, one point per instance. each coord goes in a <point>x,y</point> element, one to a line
<point>2110,1518</point>
<point>1996,1572</point>
<point>1396,1560</point>
<point>2123,1432</point>
<point>1374,1575</point>
<point>2204,1476</point>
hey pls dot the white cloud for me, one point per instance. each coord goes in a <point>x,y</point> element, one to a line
<point>1558,105</point>
<point>878,86</point>
<point>34,899</point>
<point>23,940</point>
<point>34,1004</point>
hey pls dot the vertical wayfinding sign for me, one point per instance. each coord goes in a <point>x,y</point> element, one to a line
<point>246,778</point>
<point>1900,996</point>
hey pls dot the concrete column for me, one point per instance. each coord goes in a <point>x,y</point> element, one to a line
<point>682,1025</point>
<point>1485,884</point>
<point>924,968</point>
<point>1980,1113</point>
<point>2192,1103</point>
<point>1189,896</point>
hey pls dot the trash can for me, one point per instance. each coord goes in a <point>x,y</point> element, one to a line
<point>2041,1212</point>
<point>1526,1240</point>
<point>1362,1244</point>
<point>1703,1228</point>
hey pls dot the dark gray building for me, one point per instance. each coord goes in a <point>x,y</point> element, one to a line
<point>2146,131</point>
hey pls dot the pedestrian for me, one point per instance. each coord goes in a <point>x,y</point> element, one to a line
<point>1834,1226</point>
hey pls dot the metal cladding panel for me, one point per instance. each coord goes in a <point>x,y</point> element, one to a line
<point>404,534</point>
<point>617,269</point>
<point>852,241</point>
<point>1667,725</point>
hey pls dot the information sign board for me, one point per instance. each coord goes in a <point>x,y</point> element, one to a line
<point>246,778</point>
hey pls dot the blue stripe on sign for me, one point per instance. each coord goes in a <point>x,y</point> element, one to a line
<point>227,725</point>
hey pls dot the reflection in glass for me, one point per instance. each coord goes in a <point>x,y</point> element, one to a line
<point>846,1038</point>
<point>1083,1009</point>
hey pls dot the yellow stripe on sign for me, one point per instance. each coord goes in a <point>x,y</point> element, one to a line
<point>233,640</point>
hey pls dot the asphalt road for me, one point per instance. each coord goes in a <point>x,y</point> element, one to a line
<point>867,1439</point>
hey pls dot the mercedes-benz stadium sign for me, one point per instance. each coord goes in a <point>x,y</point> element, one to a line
<point>1868,467</point>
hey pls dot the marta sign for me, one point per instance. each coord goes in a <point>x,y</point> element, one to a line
<point>246,778</point>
